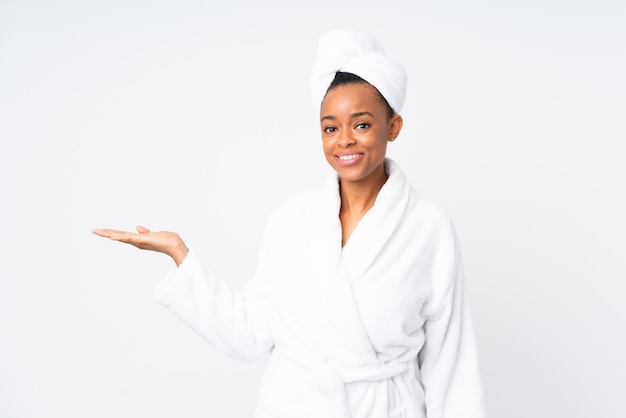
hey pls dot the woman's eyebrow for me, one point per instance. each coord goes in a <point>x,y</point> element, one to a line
<point>359,114</point>
<point>354,115</point>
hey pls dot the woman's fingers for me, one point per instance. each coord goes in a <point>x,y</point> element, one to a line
<point>115,234</point>
<point>122,236</point>
<point>108,233</point>
<point>145,239</point>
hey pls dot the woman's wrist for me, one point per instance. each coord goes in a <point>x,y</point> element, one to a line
<point>179,253</point>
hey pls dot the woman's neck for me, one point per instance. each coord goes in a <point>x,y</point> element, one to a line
<point>358,197</point>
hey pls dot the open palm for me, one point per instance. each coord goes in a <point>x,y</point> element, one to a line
<point>165,242</point>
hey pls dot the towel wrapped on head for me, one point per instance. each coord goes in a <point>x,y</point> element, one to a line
<point>362,55</point>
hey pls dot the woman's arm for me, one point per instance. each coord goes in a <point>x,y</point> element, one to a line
<point>448,360</point>
<point>236,323</point>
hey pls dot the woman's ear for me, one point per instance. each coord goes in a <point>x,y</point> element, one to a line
<point>395,126</point>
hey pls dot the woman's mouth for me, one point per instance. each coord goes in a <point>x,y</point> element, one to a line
<point>349,159</point>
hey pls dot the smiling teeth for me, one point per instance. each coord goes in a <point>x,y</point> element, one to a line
<point>348,157</point>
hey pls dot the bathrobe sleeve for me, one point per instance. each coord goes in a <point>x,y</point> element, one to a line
<point>236,323</point>
<point>448,360</point>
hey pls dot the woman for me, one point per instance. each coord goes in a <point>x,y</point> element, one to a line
<point>358,296</point>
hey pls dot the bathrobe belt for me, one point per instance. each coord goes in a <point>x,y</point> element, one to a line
<point>331,379</point>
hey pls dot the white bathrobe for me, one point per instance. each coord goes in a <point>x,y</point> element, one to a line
<point>378,328</point>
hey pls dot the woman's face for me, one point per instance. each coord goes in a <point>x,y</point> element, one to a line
<point>355,130</point>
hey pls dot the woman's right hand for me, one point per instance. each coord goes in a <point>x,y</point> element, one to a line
<point>165,242</point>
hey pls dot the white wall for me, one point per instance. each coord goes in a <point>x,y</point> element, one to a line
<point>194,117</point>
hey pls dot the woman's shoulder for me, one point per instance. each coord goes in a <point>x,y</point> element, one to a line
<point>432,210</point>
<point>296,204</point>
<point>429,215</point>
<point>421,210</point>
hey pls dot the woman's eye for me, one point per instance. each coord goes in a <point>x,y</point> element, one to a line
<point>329,129</point>
<point>362,125</point>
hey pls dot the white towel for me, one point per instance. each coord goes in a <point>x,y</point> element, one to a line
<point>362,55</point>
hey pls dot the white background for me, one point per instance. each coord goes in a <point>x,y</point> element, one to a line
<point>196,117</point>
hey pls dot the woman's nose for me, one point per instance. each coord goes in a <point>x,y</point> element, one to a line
<point>345,138</point>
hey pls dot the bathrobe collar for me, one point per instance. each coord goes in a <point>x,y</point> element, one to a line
<point>335,270</point>
<point>347,352</point>
<point>377,225</point>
